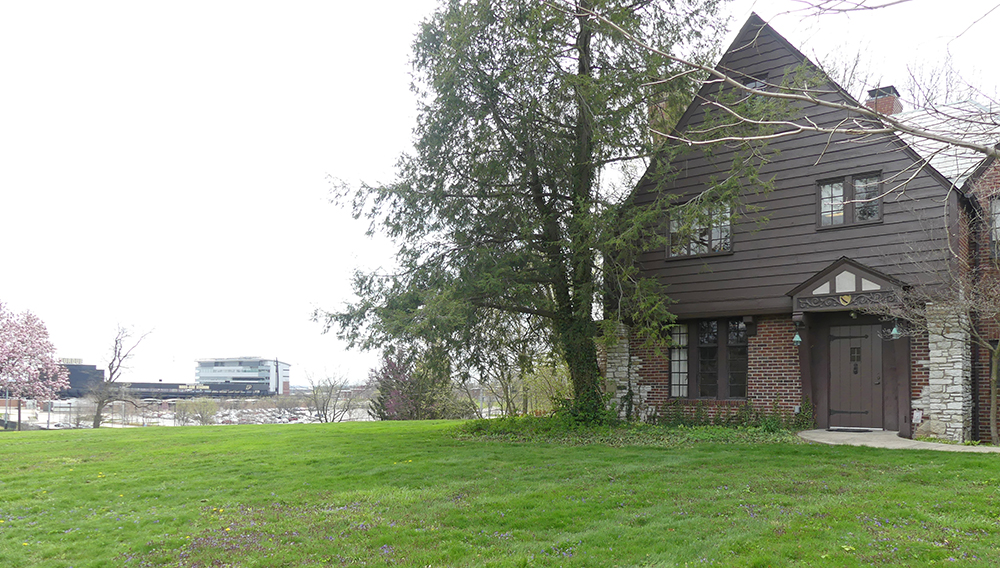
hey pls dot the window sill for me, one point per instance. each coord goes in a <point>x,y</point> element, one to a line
<point>696,256</point>
<point>848,225</point>
<point>713,401</point>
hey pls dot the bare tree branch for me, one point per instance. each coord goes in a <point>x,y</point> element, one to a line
<point>108,390</point>
<point>876,123</point>
<point>821,7</point>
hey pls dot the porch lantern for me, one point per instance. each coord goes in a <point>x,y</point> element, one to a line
<point>797,320</point>
<point>895,333</point>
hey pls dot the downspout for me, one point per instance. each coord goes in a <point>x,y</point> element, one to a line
<point>974,237</point>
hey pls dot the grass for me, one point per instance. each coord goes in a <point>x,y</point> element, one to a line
<point>417,494</point>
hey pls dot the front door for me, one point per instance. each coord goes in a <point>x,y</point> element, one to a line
<point>855,376</point>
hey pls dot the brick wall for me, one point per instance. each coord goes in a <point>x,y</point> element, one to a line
<point>919,373</point>
<point>986,188</point>
<point>775,379</point>
<point>888,104</point>
<point>981,371</point>
<point>653,374</point>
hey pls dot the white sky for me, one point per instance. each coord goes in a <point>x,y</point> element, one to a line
<point>164,165</point>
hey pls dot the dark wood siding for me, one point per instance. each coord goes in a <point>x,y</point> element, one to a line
<point>769,259</point>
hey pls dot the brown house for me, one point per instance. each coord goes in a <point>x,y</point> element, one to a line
<point>772,300</point>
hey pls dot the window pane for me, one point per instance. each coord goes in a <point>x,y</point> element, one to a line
<point>702,240</point>
<point>738,363</point>
<point>679,335</point>
<point>678,244</point>
<point>995,220</point>
<point>737,332</point>
<point>721,231</point>
<point>679,362</point>
<point>711,233</point>
<point>708,358</point>
<point>708,371</point>
<point>831,204</point>
<point>866,192</point>
<point>708,332</point>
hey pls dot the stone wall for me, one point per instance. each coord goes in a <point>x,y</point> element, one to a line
<point>622,365</point>
<point>947,399</point>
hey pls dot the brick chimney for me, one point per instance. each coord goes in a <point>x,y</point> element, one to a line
<point>884,100</point>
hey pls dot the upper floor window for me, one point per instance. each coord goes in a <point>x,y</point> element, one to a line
<point>995,221</point>
<point>712,233</point>
<point>850,200</point>
<point>992,223</point>
<point>755,83</point>
<point>753,104</point>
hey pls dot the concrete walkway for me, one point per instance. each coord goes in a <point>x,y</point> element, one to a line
<point>884,439</point>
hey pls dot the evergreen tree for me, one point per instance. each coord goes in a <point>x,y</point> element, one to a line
<point>532,117</point>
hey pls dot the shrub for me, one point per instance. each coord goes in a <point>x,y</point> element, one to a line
<point>406,390</point>
<point>556,429</point>
<point>676,413</point>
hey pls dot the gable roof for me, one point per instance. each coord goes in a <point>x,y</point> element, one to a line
<point>752,28</point>
<point>950,165</point>
<point>970,184</point>
<point>778,242</point>
<point>968,120</point>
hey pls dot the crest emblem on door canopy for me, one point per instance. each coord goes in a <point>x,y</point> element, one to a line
<point>845,284</point>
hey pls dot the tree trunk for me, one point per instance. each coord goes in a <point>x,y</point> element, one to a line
<point>580,350</point>
<point>577,330</point>
<point>99,412</point>
<point>19,414</point>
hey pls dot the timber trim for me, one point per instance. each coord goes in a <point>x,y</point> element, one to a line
<point>845,285</point>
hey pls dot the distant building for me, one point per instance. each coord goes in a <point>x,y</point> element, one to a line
<point>166,391</point>
<point>81,377</point>
<point>244,370</point>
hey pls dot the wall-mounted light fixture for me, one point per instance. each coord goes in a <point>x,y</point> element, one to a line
<point>797,319</point>
<point>895,333</point>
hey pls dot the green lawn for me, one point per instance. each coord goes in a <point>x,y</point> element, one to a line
<point>413,494</point>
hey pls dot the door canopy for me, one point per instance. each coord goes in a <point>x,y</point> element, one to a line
<point>845,285</point>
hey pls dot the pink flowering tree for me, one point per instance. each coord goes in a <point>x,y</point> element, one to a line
<point>28,367</point>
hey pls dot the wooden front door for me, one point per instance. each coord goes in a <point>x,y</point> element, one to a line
<point>855,376</point>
